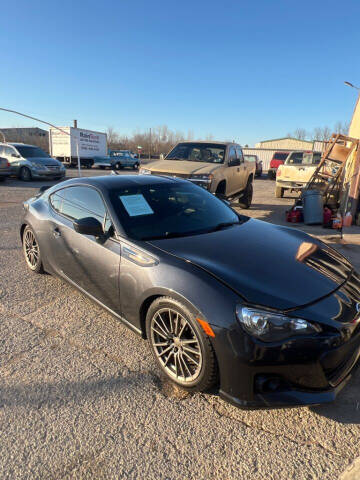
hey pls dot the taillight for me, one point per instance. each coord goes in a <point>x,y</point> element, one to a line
<point>7,164</point>
<point>278,171</point>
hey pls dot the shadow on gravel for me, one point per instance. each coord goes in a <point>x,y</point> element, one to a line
<point>346,408</point>
<point>37,395</point>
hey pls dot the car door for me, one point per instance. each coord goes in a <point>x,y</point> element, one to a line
<point>242,172</point>
<point>91,263</point>
<point>232,174</point>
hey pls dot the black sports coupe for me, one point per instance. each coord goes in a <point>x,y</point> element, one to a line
<point>267,314</point>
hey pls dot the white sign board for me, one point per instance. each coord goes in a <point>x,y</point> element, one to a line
<point>91,144</point>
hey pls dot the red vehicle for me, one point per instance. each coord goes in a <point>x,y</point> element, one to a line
<point>277,160</point>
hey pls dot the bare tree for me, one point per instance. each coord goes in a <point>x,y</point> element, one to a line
<point>300,134</point>
<point>342,127</point>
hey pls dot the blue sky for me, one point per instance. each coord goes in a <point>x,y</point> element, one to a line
<point>243,70</point>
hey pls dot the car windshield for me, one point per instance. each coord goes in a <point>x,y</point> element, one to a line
<point>198,152</point>
<point>168,210</point>
<point>31,152</point>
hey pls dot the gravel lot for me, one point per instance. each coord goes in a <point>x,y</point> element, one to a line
<point>80,396</point>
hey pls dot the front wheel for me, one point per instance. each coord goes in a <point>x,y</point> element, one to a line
<point>135,166</point>
<point>31,251</point>
<point>246,198</point>
<point>179,345</point>
<point>25,174</point>
<point>118,166</point>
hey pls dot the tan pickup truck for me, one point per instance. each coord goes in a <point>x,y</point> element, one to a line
<point>220,167</point>
<point>296,171</point>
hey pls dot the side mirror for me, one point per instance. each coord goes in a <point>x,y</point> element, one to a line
<point>88,226</point>
<point>234,162</point>
<point>15,155</point>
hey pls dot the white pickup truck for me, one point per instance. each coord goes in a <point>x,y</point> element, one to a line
<point>295,173</point>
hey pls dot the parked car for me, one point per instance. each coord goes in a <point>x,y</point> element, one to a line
<point>258,164</point>
<point>216,166</point>
<point>177,265</point>
<point>116,162</point>
<point>29,162</point>
<point>277,160</point>
<point>116,153</point>
<point>296,171</point>
<point>5,170</point>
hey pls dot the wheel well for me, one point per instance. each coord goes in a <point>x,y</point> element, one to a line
<point>143,311</point>
<point>221,188</point>
<point>251,178</point>
<point>22,228</point>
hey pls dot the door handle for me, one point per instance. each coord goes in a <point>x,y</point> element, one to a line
<point>56,232</point>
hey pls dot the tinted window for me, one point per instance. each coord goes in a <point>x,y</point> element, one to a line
<point>81,202</point>
<point>232,154</point>
<point>31,152</point>
<point>280,156</point>
<point>295,158</point>
<point>56,200</point>
<point>239,154</point>
<point>169,210</point>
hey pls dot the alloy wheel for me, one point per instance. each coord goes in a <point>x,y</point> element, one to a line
<point>31,248</point>
<point>176,345</point>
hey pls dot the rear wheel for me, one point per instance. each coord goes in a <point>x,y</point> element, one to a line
<point>135,166</point>
<point>246,198</point>
<point>118,166</point>
<point>25,174</point>
<point>31,251</point>
<point>279,192</point>
<point>179,345</point>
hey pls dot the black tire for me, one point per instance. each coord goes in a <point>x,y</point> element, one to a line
<point>25,174</point>
<point>33,261</point>
<point>135,166</point>
<point>271,175</point>
<point>205,372</point>
<point>2,179</point>
<point>246,198</point>
<point>118,166</point>
<point>279,192</point>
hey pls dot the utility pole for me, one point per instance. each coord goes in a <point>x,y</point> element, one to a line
<point>46,123</point>
<point>150,146</point>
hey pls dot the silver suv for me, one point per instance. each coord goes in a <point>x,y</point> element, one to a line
<point>220,167</point>
<point>29,162</point>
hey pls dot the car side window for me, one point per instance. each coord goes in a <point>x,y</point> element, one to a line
<point>239,154</point>
<point>232,154</point>
<point>81,202</point>
<point>8,151</point>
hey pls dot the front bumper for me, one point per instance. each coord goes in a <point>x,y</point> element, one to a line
<point>304,370</point>
<point>40,174</point>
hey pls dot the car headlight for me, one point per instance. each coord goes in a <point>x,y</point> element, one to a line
<point>38,166</point>
<point>273,327</point>
<point>145,171</point>
<point>205,177</point>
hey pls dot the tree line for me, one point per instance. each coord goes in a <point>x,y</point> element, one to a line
<point>159,140</point>
<point>320,133</point>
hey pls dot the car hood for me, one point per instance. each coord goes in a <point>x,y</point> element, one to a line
<point>268,265</point>
<point>182,167</point>
<point>45,161</point>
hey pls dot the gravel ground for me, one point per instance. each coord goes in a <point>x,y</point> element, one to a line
<point>80,396</point>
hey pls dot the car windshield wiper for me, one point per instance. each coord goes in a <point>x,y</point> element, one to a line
<point>222,225</point>
<point>191,232</point>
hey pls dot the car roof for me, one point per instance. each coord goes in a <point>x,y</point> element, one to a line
<point>107,182</point>
<point>209,141</point>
